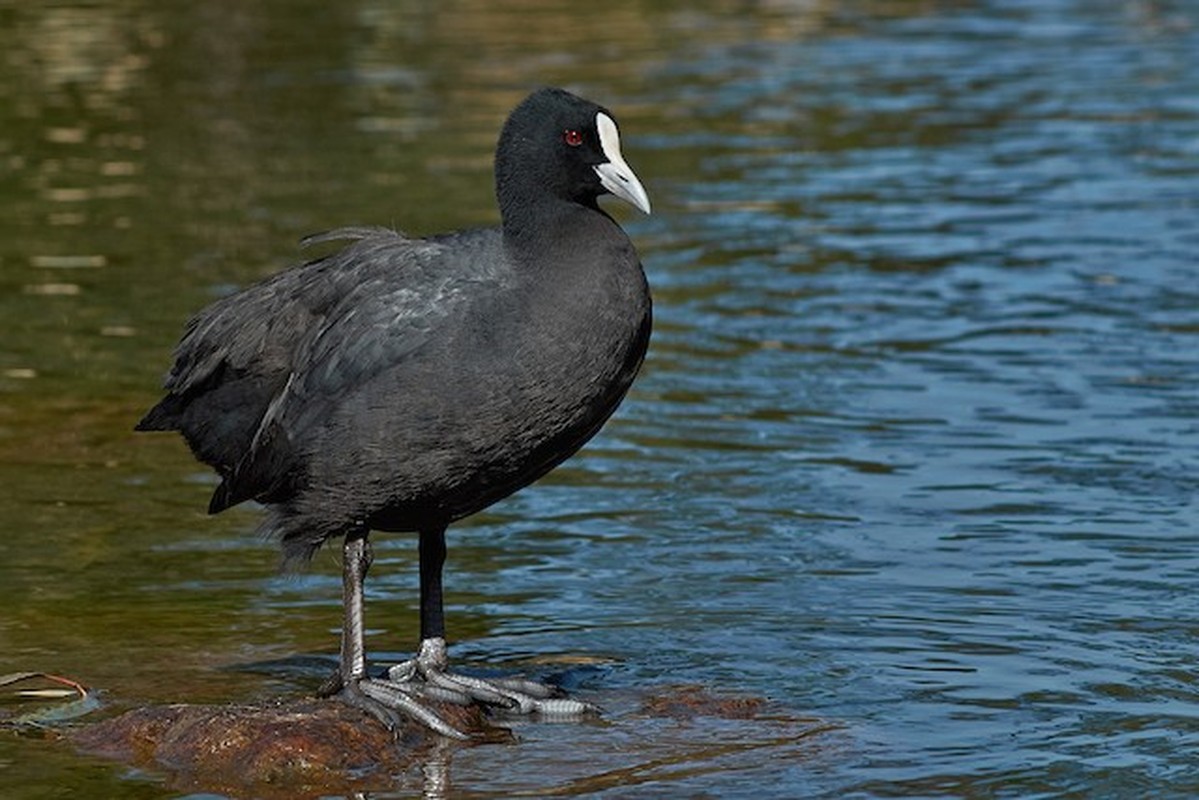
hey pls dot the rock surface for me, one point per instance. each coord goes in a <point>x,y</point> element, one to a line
<point>311,748</point>
<point>273,749</point>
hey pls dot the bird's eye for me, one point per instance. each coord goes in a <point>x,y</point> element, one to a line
<point>572,137</point>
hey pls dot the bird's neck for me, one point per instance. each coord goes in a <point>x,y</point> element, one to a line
<point>550,226</point>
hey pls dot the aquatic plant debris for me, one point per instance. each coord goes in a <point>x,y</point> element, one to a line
<point>76,688</point>
<point>83,702</point>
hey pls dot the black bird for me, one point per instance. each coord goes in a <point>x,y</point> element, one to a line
<point>401,384</point>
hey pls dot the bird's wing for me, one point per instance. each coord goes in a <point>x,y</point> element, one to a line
<point>259,329</point>
<point>404,291</point>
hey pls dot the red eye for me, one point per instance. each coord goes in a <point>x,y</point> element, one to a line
<point>572,138</point>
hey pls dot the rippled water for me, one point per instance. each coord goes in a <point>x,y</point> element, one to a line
<point>914,454</point>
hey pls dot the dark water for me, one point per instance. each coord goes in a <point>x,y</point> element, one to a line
<point>915,453</point>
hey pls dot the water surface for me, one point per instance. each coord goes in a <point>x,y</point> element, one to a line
<point>914,454</point>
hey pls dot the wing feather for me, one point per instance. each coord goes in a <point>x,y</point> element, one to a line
<point>372,329</point>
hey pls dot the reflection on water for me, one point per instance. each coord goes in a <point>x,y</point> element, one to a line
<point>915,449</point>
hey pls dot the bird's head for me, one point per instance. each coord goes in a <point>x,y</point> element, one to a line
<point>560,144</point>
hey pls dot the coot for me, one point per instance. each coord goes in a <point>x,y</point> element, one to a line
<point>401,384</point>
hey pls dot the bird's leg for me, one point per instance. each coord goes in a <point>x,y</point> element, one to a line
<point>381,698</point>
<point>357,556</point>
<point>432,608</point>
<point>429,669</point>
<point>355,561</point>
<point>425,677</point>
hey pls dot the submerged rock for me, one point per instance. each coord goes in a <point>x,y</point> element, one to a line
<point>274,749</point>
<point>312,748</point>
<point>686,702</point>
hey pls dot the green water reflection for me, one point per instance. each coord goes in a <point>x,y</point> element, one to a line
<point>155,155</point>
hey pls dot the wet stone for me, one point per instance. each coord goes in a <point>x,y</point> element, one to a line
<point>275,749</point>
<point>311,747</point>
<point>686,702</point>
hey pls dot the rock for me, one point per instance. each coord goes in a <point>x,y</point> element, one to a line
<point>270,750</point>
<point>687,702</point>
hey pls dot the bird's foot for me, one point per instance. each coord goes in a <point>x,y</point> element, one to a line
<point>429,673</point>
<point>426,678</point>
<point>389,703</point>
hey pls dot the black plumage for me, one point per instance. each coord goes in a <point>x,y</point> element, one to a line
<point>400,384</point>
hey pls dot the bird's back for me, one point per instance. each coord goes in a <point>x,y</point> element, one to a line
<point>236,356</point>
<point>510,380</point>
<point>399,381</point>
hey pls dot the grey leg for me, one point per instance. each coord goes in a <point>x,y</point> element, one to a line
<point>425,677</point>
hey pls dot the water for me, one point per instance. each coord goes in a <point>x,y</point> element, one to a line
<point>914,455</point>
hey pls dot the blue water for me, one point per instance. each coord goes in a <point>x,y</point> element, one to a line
<point>914,456</point>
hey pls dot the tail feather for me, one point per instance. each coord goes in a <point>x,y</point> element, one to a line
<point>166,416</point>
<point>221,498</point>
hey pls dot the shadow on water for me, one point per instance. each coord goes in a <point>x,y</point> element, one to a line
<point>913,456</point>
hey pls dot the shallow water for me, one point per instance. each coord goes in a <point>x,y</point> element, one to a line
<point>914,454</point>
